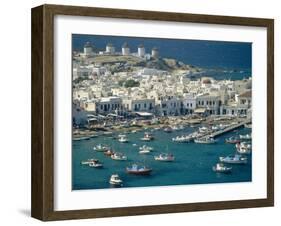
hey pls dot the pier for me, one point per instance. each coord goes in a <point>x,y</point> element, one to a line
<point>227,129</point>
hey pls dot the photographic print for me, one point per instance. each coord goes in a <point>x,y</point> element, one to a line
<point>159,112</point>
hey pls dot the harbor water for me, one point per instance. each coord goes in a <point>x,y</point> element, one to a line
<point>193,162</point>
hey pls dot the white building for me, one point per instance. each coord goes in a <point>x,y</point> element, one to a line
<point>139,105</point>
<point>141,50</point>
<point>169,105</point>
<point>88,49</point>
<point>81,71</point>
<point>110,49</point>
<point>125,49</point>
<point>189,103</point>
<point>104,105</point>
<point>211,103</point>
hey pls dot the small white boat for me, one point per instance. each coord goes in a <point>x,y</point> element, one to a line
<point>95,164</point>
<point>165,157</point>
<point>134,131</point>
<point>115,180</point>
<point>182,139</point>
<point>206,140</point>
<point>244,148</point>
<point>245,137</point>
<point>134,145</point>
<point>236,159</point>
<point>88,161</point>
<point>100,148</point>
<point>145,147</point>
<point>221,168</point>
<point>232,140</point>
<point>119,157</point>
<point>123,139</point>
<point>147,137</point>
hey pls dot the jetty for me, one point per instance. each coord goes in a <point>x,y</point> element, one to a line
<point>227,129</point>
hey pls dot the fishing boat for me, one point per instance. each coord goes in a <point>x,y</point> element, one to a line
<point>95,164</point>
<point>245,137</point>
<point>243,148</point>
<point>165,157</point>
<point>123,139</point>
<point>145,147</point>
<point>147,137</point>
<point>182,139</point>
<point>100,148</point>
<point>236,159</point>
<point>138,170</point>
<point>115,180</point>
<point>205,140</point>
<point>88,161</point>
<point>119,156</point>
<point>243,145</point>
<point>134,131</point>
<point>232,140</point>
<point>221,168</point>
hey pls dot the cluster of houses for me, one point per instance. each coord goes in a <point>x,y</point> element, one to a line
<point>158,93</point>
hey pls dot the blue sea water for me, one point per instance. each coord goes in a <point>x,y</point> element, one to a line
<point>219,59</point>
<point>193,162</point>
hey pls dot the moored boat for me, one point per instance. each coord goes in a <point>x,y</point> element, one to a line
<point>182,139</point>
<point>145,147</point>
<point>138,170</point>
<point>115,180</point>
<point>95,164</point>
<point>221,168</point>
<point>123,139</point>
<point>243,148</point>
<point>236,159</point>
<point>88,161</point>
<point>147,137</point>
<point>165,157</point>
<point>119,156</point>
<point>245,137</point>
<point>232,140</point>
<point>205,140</point>
<point>100,148</point>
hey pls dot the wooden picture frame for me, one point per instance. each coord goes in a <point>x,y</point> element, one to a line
<point>43,112</point>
